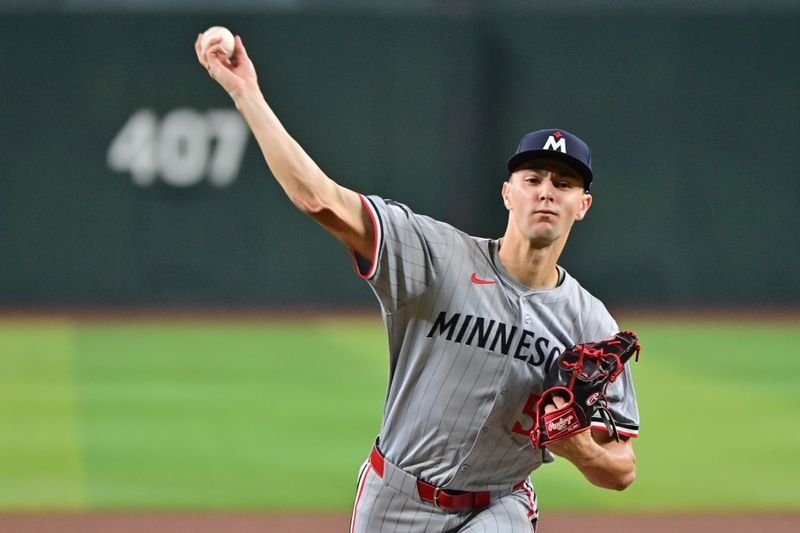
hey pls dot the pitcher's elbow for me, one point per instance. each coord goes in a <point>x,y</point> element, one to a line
<point>307,200</point>
<point>623,482</point>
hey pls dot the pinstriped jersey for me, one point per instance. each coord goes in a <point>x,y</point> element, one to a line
<point>468,349</point>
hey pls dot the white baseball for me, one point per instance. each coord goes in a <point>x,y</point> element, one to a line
<point>220,31</point>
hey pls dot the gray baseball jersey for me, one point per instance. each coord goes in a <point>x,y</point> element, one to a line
<point>469,346</point>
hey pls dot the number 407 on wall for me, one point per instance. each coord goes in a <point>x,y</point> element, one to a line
<point>182,148</point>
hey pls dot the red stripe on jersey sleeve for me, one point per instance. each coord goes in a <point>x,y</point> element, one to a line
<point>630,433</point>
<point>376,227</point>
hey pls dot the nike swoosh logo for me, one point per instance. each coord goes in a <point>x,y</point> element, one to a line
<point>475,279</point>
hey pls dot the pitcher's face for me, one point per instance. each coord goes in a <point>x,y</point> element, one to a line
<point>544,198</point>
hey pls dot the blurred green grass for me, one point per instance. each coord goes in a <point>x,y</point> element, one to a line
<point>280,415</point>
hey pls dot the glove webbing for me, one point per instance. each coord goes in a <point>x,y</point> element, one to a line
<point>598,354</point>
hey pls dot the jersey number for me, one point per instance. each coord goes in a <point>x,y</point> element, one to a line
<point>530,410</point>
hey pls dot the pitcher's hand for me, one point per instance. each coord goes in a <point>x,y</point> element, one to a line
<point>237,74</point>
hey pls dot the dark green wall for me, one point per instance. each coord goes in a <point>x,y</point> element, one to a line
<point>694,122</point>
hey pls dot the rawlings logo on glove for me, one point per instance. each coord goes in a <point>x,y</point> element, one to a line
<point>580,378</point>
<point>563,422</point>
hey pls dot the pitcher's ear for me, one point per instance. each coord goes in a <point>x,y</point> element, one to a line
<point>586,202</point>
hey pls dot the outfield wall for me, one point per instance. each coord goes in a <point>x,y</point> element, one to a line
<point>127,178</point>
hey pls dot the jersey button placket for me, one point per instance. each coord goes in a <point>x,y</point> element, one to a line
<point>525,309</point>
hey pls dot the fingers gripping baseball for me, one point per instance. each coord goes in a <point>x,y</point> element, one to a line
<point>234,74</point>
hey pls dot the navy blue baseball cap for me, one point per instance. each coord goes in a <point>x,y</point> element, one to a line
<point>555,144</point>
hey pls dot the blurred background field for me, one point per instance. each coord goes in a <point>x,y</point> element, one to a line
<point>278,415</point>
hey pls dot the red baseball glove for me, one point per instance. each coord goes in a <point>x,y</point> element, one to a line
<point>580,377</point>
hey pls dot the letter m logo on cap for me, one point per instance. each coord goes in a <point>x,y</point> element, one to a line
<point>553,144</point>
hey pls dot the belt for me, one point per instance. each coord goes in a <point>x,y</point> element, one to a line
<point>454,500</point>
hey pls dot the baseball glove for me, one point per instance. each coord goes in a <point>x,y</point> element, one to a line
<point>580,377</point>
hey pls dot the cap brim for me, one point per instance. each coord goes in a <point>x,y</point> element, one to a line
<point>577,165</point>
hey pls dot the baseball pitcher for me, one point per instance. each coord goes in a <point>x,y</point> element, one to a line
<point>498,358</point>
